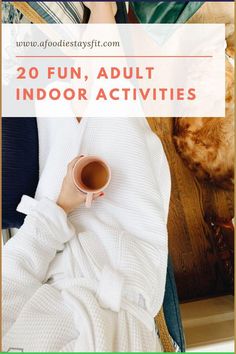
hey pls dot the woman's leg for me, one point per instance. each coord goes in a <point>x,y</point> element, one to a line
<point>102,12</point>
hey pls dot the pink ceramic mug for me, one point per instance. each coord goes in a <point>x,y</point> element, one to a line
<point>91,175</point>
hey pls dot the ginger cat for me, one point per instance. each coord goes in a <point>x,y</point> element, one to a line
<point>207,144</point>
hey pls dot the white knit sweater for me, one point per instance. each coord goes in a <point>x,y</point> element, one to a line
<point>95,280</point>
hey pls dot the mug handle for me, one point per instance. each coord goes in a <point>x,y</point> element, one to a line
<point>89,199</point>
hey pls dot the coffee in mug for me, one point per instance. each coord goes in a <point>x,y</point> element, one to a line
<point>91,175</point>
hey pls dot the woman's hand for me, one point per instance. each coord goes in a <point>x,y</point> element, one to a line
<point>70,198</point>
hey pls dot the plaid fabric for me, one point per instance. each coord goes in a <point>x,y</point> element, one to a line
<point>51,12</point>
<point>59,11</point>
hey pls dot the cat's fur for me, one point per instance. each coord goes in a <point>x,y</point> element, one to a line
<point>207,144</point>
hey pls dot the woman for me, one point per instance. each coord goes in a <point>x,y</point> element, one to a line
<point>77,279</point>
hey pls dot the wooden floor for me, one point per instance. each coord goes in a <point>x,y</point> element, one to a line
<point>191,243</point>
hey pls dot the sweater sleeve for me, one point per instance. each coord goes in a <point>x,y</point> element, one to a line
<point>26,257</point>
